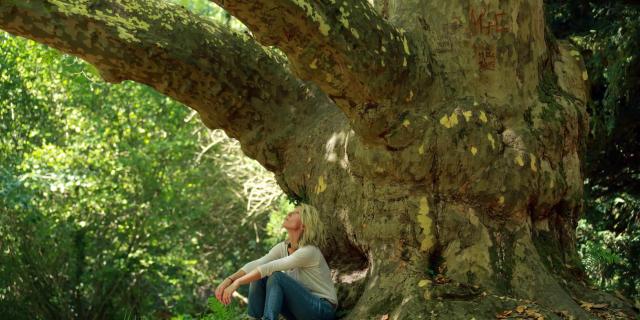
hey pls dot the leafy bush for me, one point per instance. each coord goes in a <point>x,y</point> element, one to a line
<point>608,36</point>
<point>114,201</point>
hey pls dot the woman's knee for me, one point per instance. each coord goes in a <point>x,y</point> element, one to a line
<point>255,285</point>
<point>275,278</point>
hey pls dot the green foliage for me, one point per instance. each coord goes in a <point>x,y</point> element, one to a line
<point>109,204</point>
<point>609,242</point>
<point>222,312</point>
<point>608,36</point>
<point>211,10</point>
<point>217,311</point>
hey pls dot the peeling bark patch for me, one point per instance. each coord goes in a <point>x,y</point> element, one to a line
<point>519,160</point>
<point>493,142</point>
<point>467,255</point>
<point>323,27</point>
<point>533,163</point>
<point>467,115</point>
<point>424,206</point>
<point>426,223</point>
<point>483,117</point>
<point>449,121</point>
<point>405,43</point>
<point>321,186</point>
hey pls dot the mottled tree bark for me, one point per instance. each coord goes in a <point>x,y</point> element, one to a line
<point>442,143</point>
<point>367,66</point>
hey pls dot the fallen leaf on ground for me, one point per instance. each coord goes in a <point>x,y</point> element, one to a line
<point>533,313</point>
<point>565,315</point>
<point>588,305</point>
<point>504,314</point>
<point>440,279</point>
<point>424,282</point>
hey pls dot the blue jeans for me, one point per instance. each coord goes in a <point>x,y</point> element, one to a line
<point>281,294</point>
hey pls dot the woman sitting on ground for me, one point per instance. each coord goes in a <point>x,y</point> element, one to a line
<point>293,279</point>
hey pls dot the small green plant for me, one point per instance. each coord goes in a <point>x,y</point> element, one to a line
<point>218,311</point>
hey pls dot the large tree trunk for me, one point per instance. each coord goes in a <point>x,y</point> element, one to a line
<point>441,140</point>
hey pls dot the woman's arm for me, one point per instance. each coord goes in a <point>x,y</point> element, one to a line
<point>306,256</point>
<point>274,253</point>
<point>248,278</point>
<point>303,257</point>
<point>236,275</point>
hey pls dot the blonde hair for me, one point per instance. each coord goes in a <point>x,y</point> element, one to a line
<point>313,233</point>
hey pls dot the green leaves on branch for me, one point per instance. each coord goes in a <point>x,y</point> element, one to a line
<point>109,208</point>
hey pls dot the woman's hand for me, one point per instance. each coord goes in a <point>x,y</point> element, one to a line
<point>220,289</point>
<point>228,292</point>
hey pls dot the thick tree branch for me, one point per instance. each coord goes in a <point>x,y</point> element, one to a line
<point>344,47</point>
<point>232,81</point>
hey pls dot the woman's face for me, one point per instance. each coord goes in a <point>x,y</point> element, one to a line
<point>292,221</point>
